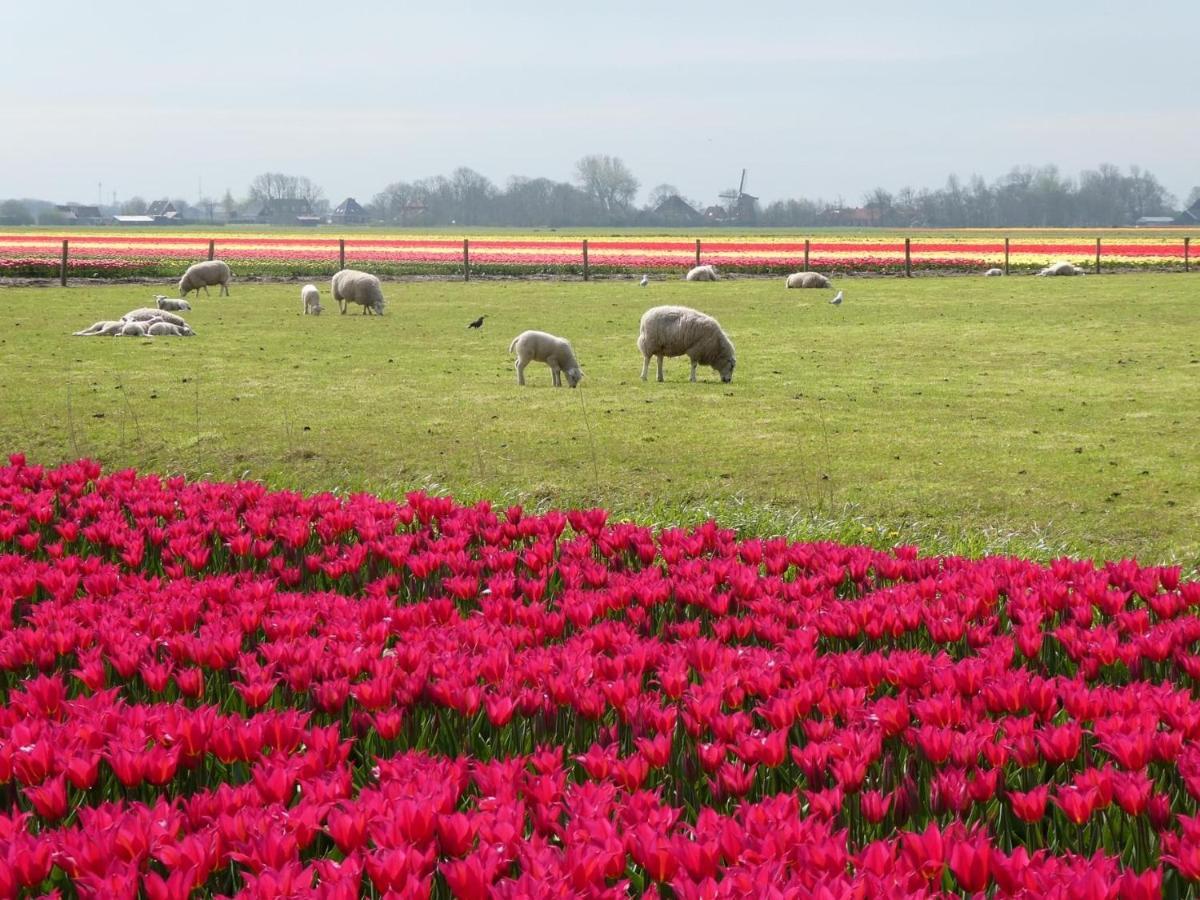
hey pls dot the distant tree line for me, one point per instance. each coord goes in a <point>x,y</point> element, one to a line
<point>604,191</point>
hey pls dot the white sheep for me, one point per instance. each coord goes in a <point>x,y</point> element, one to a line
<point>701,273</point>
<point>132,329</point>
<point>358,287</point>
<point>1062,268</point>
<point>992,273</point>
<point>171,304</point>
<point>807,280</point>
<point>203,274</point>
<point>310,300</point>
<point>680,331</point>
<point>556,352</point>
<point>167,329</point>
<point>103,328</point>
<point>149,314</point>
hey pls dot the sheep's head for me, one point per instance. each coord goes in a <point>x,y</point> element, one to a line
<point>724,367</point>
<point>574,376</point>
<point>378,307</point>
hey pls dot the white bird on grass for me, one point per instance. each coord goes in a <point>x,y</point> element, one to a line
<point>837,300</point>
<point>645,280</point>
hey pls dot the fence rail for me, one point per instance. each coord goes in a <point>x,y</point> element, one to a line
<point>91,256</point>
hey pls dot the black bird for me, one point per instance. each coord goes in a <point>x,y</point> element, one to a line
<point>478,323</point>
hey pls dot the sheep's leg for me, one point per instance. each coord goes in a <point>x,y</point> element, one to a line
<point>556,375</point>
<point>645,366</point>
<point>660,360</point>
<point>224,290</point>
<point>693,378</point>
<point>521,363</point>
<point>206,293</point>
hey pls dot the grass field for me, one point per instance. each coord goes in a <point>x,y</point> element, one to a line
<point>969,414</point>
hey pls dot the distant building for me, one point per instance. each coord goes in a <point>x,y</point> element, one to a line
<point>1154,222</point>
<point>674,210</point>
<point>858,217</point>
<point>349,212</point>
<point>291,211</point>
<point>1190,216</point>
<point>78,214</point>
<point>162,209</point>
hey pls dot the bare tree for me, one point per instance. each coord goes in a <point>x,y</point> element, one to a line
<point>278,186</point>
<point>134,206</point>
<point>14,212</point>
<point>608,181</point>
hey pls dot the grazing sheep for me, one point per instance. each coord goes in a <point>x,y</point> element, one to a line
<point>132,329</point>
<point>358,287</point>
<point>166,329</point>
<point>1062,268</point>
<point>99,329</point>
<point>310,297</point>
<point>203,274</point>
<point>992,273</point>
<point>701,273</point>
<point>148,314</point>
<point>556,352</point>
<point>680,331</point>
<point>807,280</point>
<point>171,304</point>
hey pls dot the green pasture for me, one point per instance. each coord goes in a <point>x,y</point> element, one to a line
<point>967,414</point>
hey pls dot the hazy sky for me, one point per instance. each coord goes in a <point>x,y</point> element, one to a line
<point>817,100</point>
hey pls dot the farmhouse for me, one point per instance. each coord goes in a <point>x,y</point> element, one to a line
<point>349,212</point>
<point>674,210</point>
<point>1190,216</point>
<point>162,209</point>
<point>78,214</point>
<point>289,211</point>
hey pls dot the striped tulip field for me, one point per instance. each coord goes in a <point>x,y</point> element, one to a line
<point>215,689</point>
<point>112,254</point>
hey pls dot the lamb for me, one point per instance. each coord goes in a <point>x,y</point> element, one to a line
<point>556,352</point>
<point>171,304</point>
<point>310,300</point>
<point>166,329</point>
<point>807,280</point>
<point>679,331</point>
<point>992,273</point>
<point>203,274</point>
<point>701,273</point>
<point>358,287</point>
<point>1061,268</point>
<point>132,329</point>
<point>101,329</point>
<point>149,314</point>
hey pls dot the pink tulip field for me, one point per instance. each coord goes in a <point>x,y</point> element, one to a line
<point>213,689</point>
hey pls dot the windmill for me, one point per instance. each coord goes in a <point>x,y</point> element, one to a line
<point>739,204</point>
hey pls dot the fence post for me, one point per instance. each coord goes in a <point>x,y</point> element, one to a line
<point>1186,262</point>
<point>1097,256</point>
<point>62,271</point>
<point>585,260</point>
<point>908,257</point>
<point>806,246</point>
<point>341,254</point>
<point>212,249</point>
<point>466,260</point>
<point>697,251</point>
<point>1006,256</point>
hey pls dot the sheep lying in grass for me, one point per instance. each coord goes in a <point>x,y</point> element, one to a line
<point>148,314</point>
<point>101,329</point>
<point>1062,268</point>
<point>166,329</point>
<point>807,280</point>
<point>310,300</point>
<point>680,331</point>
<point>701,273</point>
<point>132,329</point>
<point>171,304</point>
<point>992,273</point>
<point>358,287</point>
<point>556,352</point>
<point>203,274</point>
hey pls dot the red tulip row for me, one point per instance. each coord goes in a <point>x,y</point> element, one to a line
<point>218,687</point>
